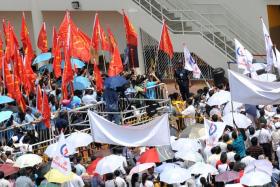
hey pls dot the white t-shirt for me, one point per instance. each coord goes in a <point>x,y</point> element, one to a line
<point>147,184</point>
<point>189,112</point>
<point>5,183</point>
<point>223,167</point>
<point>230,156</point>
<point>89,99</point>
<point>120,182</point>
<point>77,181</point>
<point>247,160</point>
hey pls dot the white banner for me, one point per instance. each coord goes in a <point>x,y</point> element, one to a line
<point>249,91</point>
<point>214,130</point>
<point>153,133</point>
<point>61,159</point>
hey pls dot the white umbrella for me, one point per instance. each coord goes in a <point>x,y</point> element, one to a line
<point>189,156</point>
<point>266,77</point>
<point>27,160</point>
<point>79,139</point>
<point>202,168</point>
<point>260,165</point>
<point>163,166</point>
<point>186,144</point>
<point>240,120</point>
<point>228,107</point>
<point>109,164</point>
<point>255,178</point>
<point>175,175</point>
<point>141,167</point>
<point>219,98</point>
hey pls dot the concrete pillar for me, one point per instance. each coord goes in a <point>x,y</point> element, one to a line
<point>37,20</point>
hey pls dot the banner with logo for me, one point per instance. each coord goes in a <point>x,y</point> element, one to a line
<point>61,159</point>
<point>214,130</point>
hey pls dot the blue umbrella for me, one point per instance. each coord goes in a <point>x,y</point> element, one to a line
<point>114,82</point>
<point>42,57</point>
<point>5,99</point>
<point>47,66</point>
<point>74,61</point>
<point>5,115</point>
<point>81,83</point>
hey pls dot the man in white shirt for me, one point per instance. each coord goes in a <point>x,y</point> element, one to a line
<point>76,181</point>
<point>230,153</point>
<point>264,138</point>
<point>120,182</point>
<point>4,182</point>
<point>189,113</point>
<point>89,97</point>
<point>216,154</point>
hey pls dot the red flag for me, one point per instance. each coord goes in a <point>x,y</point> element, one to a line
<point>42,42</point>
<point>29,54</point>
<point>98,78</point>
<point>68,74</point>
<point>26,42</point>
<point>1,51</point>
<point>19,67</point>
<point>10,44</point>
<point>112,40</point>
<point>165,41</point>
<point>46,111</point>
<point>39,99</point>
<point>105,44</point>
<point>17,94</point>
<point>13,86</point>
<point>9,80</point>
<point>81,42</point>
<point>56,55</point>
<point>115,66</point>
<point>95,33</point>
<point>131,35</point>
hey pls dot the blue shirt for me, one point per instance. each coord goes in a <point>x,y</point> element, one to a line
<point>239,146</point>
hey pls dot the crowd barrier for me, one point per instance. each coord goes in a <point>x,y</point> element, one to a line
<point>132,111</point>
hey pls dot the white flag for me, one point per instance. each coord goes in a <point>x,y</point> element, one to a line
<point>61,159</point>
<point>188,59</point>
<point>214,130</point>
<point>276,59</point>
<point>268,47</point>
<point>190,64</point>
<point>153,133</point>
<point>254,92</point>
<point>196,71</point>
<point>243,57</point>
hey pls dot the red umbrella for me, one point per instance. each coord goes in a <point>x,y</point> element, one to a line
<point>149,156</point>
<point>92,166</point>
<point>8,169</point>
<point>227,176</point>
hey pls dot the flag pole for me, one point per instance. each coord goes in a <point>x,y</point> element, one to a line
<point>3,74</point>
<point>157,50</point>
<point>232,103</point>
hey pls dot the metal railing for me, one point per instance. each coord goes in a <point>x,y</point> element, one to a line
<point>180,26</point>
<point>234,26</point>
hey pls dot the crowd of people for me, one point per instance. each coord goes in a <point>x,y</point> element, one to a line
<point>236,149</point>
